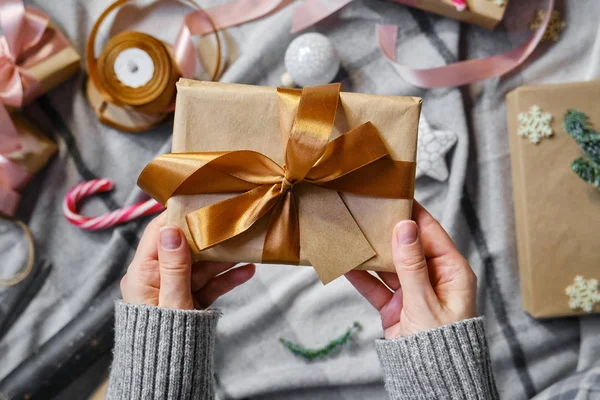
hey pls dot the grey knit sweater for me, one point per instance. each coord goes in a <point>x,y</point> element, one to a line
<point>168,354</point>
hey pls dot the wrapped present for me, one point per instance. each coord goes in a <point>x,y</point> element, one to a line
<point>34,55</point>
<point>485,13</point>
<point>555,157</point>
<point>17,167</point>
<point>34,58</point>
<point>288,176</point>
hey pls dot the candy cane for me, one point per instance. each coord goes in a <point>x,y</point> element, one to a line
<point>113,218</point>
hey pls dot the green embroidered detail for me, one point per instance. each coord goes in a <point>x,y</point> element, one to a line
<point>583,294</point>
<point>328,350</point>
<point>577,125</point>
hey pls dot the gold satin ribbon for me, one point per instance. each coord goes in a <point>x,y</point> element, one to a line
<point>357,162</point>
<point>157,96</point>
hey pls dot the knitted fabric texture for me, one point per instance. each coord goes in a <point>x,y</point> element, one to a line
<point>162,353</point>
<point>449,362</point>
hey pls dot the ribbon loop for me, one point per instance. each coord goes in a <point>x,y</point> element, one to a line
<point>356,162</point>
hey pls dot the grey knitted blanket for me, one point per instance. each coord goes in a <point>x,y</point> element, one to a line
<point>474,205</point>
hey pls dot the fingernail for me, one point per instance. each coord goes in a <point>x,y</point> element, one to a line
<point>170,239</point>
<point>406,232</point>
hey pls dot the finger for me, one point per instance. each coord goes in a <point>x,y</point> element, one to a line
<point>410,262</point>
<point>224,283</point>
<point>370,288</point>
<point>204,271</point>
<point>175,268</point>
<point>147,248</point>
<point>390,279</point>
<point>434,238</point>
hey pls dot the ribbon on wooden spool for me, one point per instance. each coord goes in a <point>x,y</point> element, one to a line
<point>131,85</point>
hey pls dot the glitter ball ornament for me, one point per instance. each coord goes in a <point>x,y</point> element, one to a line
<point>310,60</point>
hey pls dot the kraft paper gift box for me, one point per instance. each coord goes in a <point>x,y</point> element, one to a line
<point>557,213</point>
<point>18,167</point>
<point>219,117</point>
<point>485,13</point>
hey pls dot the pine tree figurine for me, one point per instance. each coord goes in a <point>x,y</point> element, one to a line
<point>578,127</point>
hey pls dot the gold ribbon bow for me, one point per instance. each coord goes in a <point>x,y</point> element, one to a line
<point>356,162</point>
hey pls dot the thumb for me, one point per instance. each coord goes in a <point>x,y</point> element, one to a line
<point>410,262</point>
<point>175,268</point>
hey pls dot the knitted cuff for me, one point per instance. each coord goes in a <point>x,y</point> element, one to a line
<point>162,353</point>
<point>448,362</point>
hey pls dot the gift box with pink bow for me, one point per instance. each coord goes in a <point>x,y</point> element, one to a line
<point>34,58</point>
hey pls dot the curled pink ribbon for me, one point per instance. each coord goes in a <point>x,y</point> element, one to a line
<point>455,74</point>
<point>223,16</point>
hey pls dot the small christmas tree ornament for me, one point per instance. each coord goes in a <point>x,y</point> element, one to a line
<point>311,59</point>
<point>554,28</point>
<point>535,124</point>
<point>578,127</point>
<point>583,294</point>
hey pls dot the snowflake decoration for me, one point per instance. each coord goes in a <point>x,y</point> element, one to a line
<point>431,151</point>
<point>555,26</point>
<point>583,294</point>
<point>535,124</point>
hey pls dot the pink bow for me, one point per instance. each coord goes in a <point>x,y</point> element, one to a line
<point>23,29</point>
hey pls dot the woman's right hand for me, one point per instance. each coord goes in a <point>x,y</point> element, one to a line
<point>433,284</point>
<point>162,274</point>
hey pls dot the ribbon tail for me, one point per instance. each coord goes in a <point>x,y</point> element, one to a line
<point>463,72</point>
<point>9,137</point>
<point>282,242</point>
<point>218,222</point>
<point>312,11</point>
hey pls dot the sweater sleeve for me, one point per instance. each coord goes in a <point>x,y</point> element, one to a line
<point>448,362</point>
<point>162,353</point>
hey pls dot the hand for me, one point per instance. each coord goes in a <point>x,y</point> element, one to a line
<point>161,273</point>
<point>433,284</point>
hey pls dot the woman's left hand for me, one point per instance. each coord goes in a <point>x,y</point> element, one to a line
<point>162,274</point>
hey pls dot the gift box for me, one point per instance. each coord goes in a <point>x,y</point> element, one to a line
<point>37,57</point>
<point>485,13</point>
<point>557,213</point>
<point>310,177</point>
<point>19,166</point>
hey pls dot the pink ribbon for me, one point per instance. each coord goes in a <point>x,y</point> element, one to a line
<point>223,16</point>
<point>12,176</point>
<point>23,30</point>
<point>455,74</point>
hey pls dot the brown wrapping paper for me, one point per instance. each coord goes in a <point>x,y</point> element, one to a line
<point>485,13</point>
<point>225,117</point>
<point>557,214</point>
<point>36,149</point>
<point>58,67</point>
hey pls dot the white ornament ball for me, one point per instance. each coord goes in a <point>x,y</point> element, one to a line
<point>311,59</point>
